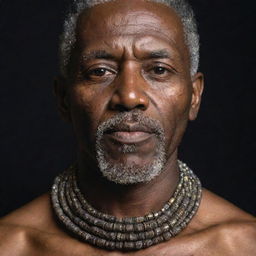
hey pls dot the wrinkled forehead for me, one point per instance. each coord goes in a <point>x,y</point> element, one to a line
<point>133,17</point>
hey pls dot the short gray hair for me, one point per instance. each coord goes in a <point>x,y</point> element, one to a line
<point>181,7</point>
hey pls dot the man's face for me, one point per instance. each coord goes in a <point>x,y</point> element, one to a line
<point>132,93</point>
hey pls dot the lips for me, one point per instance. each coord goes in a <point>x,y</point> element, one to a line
<point>130,137</point>
<point>127,134</point>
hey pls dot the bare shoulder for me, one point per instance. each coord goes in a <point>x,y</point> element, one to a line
<point>36,214</point>
<point>215,210</point>
<point>220,228</point>
<point>12,240</point>
<point>23,230</point>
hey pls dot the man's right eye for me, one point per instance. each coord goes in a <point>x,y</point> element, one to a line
<point>98,72</point>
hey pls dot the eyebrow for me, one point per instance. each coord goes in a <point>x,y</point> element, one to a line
<point>158,54</point>
<point>102,54</point>
<point>98,54</point>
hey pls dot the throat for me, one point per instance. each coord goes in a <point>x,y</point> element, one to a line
<point>129,200</point>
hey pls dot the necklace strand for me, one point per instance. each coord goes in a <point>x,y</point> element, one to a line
<point>129,233</point>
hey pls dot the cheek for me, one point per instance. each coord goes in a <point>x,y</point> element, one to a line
<point>176,101</point>
<point>86,113</point>
<point>175,105</point>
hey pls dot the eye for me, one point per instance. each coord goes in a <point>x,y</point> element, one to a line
<point>159,70</point>
<point>98,72</point>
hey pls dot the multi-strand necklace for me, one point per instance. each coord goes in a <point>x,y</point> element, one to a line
<point>129,233</point>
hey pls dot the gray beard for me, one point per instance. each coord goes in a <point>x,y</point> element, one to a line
<point>121,173</point>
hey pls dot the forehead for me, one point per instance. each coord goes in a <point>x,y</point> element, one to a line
<point>133,19</point>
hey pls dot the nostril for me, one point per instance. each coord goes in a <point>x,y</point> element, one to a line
<point>141,107</point>
<point>123,108</point>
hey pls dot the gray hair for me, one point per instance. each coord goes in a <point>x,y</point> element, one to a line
<point>181,7</point>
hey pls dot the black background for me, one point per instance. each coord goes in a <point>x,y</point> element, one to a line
<point>35,144</point>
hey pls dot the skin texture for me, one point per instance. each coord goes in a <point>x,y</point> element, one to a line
<point>137,67</point>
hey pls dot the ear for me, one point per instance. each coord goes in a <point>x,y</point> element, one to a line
<point>197,87</point>
<point>61,94</point>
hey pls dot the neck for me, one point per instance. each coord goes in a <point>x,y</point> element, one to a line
<point>127,200</point>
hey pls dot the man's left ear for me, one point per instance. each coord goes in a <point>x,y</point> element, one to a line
<point>197,90</point>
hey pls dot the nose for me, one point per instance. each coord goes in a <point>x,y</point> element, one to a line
<point>130,91</point>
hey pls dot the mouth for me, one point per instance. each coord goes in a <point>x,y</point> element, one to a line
<point>125,137</point>
<point>129,134</point>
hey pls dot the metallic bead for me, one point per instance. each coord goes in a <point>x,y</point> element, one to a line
<point>139,219</point>
<point>101,242</point>
<point>165,227</point>
<point>139,227</point>
<point>129,245</point>
<point>129,228</point>
<point>112,236</point>
<point>138,245</point>
<point>132,237</point>
<point>158,231</point>
<point>153,224</point>
<point>150,216</point>
<point>147,243</point>
<point>119,245</point>
<point>167,236</point>
<point>149,234</point>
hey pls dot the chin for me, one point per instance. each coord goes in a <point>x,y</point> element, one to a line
<point>131,171</point>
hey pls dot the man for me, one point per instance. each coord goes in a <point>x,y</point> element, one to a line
<point>129,85</point>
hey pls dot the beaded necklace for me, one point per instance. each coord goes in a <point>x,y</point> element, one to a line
<point>129,233</point>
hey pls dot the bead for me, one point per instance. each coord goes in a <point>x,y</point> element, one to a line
<point>158,231</point>
<point>165,227</point>
<point>147,243</point>
<point>120,237</point>
<point>150,216</point>
<point>111,245</point>
<point>132,237</point>
<point>153,224</point>
<point>139,227</point>
<point>146,225</point>
<point>150,234</point>
<point>129,228</point>
<point>112,236</point>
<point>158,240</point>
<point>119,245</point>
<point>138,245</point>
<point>101,242</point>
<point>117,227</point>
<point>129,245</point>
<point>139,219</point>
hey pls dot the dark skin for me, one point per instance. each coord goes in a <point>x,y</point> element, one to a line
<point>137,66</point>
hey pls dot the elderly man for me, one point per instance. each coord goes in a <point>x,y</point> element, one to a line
<point>129,84</point>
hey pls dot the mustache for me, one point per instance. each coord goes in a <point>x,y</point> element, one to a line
<point>130,121</point>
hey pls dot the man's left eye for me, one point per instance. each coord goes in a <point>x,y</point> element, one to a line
<point>160,70</point>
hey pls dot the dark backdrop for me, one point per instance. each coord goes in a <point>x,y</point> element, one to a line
<point>36,145</point>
